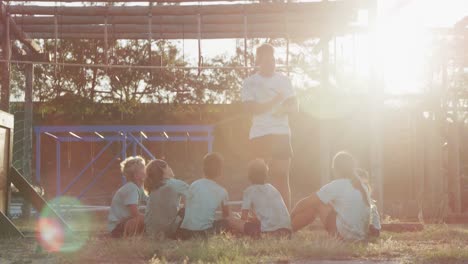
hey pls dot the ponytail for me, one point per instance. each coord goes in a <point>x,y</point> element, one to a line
<point>359,183</point>
<point>344,165</point>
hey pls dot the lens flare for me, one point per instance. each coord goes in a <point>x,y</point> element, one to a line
<point>53,236</point>
<point>50,234</point>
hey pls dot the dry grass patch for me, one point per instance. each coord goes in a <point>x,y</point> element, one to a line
<point>435,244</point>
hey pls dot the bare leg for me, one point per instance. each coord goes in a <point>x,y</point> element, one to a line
<point>306,210</point>
<point>134,226</point>
<point>279,177</point>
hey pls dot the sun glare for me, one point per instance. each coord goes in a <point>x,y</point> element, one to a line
<point>404,40</point>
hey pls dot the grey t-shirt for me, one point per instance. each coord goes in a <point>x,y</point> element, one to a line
<point>162,207</point>
<point>128,194</point>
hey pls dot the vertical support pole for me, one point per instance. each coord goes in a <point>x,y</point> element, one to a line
<point>134,148</point>
<point>58,182</point>
<point>124,153</point>
<point>454,165</point>
<point>210,142</point>
<point>325,154</point>
<point>245,47</point>
<point>27,126</point>
<point>6,47</point>
<point>375,89</point>
<point>38,157</point>
<point>28,112</point>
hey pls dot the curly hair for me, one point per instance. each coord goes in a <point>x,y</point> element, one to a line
<point>129,166</point>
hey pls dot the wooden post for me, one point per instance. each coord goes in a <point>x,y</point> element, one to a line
<point>27,141</point>
<point>454,165</point>
<point>5,71</point>
<point>417,135</point>
<point>325,155</point>
<point>376,115</point>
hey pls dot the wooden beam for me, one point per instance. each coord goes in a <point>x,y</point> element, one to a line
<point>180,35</point>
<point>177,20</point>
<point>136,1</point>
<point>18,33</point>
<point>207,28</point>
<point>5,71</point>
<point>24,38</point>
<point>8,229</point>
<point>311,8</point>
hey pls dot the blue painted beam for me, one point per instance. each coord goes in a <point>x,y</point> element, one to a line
<point>100,174</point>
<point>119,138</point>
<point>103,129</point>
<point>80,174</point>
<point>58,183</point>
<point>136,141</point>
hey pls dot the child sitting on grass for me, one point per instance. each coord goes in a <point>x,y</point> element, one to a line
<point>269,212</point>
<point>204,198</point>
<point>162,217</point>
<point>344,205</point>
<point>124,218</point>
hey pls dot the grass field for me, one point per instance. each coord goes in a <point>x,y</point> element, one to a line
<point>436,244</point>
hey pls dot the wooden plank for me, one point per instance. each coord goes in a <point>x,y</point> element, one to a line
<point>179,20</point>
<point>264,27</point>
<point>28,192</point>
<point>454,168</point>
<point>8,229</point>
<point>311,8</point>
<point>17,32</point>
<point>24,38</point>
<point>136,1</point>
<point>180,35</point>
<point>5,71</point>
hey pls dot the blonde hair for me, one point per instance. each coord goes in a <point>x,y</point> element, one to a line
<point>129,166</point>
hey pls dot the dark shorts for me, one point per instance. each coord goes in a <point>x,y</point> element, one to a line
<point>253,230</point>
<point>268,147</point>
<point>219,226</point>
<point>119,229</point>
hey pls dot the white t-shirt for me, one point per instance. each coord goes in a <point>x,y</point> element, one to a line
<point>261,89</point>
<point>268,205</point>
<point>162,207</point>
<point>204,198</point>
<point>126,195</point>
<point>352,213</point>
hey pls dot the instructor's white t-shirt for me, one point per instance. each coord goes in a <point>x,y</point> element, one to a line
<point>268,205</point>
<point>204,197</point>
<point>352,213</point>
<point>261,89</point>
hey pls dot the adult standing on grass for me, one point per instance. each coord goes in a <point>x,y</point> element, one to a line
<point>124,218</point>
<point>270,98</point>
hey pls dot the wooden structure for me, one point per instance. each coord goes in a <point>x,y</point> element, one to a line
<point>189,19</point>
<point>9,176</point>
